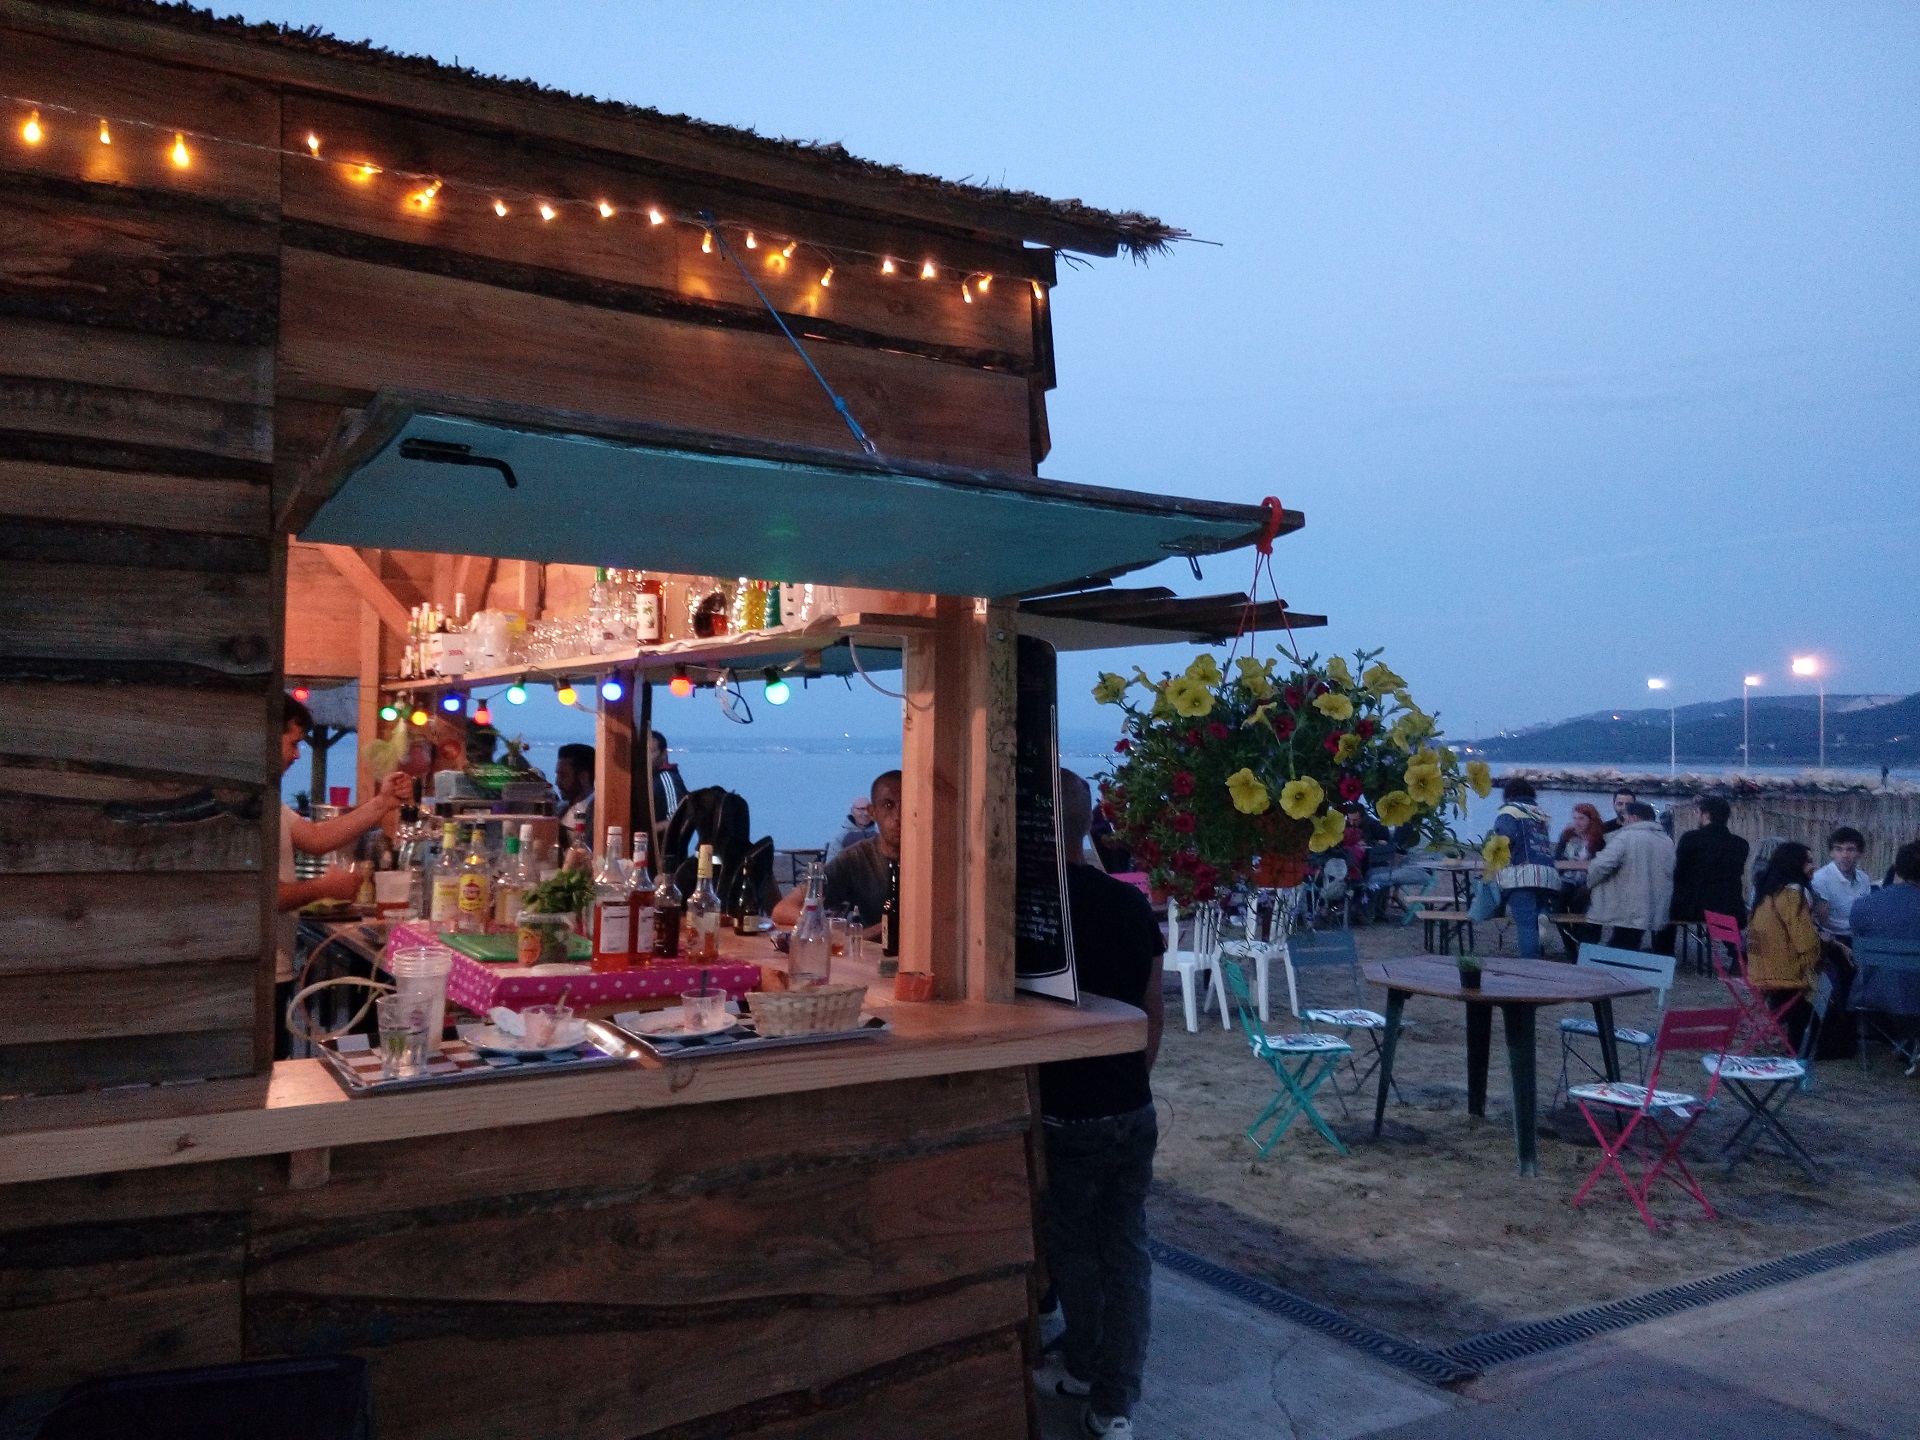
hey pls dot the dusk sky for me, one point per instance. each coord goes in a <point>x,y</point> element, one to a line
<point>1586,336</point>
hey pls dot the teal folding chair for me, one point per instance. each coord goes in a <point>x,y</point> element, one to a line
<point>1301,1063</point>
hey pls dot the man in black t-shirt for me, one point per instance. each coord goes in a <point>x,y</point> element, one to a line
<point>1100,1136</point>
<point>857,877</point>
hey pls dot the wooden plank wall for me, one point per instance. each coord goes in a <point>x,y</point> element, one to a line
<point>139,598</point>
<point>847,1262</point>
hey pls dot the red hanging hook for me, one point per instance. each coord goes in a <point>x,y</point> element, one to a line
<point>1275,514</point>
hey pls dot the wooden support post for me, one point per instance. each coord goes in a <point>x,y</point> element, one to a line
<point>527,594</point>
<point>368,710</point>
<point>613,766</point>
<point>921,853</point>
<point>643,816</point>
<point>990,814</point>
<point>366,581</point>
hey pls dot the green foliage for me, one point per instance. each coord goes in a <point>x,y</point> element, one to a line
<point>563,893</point>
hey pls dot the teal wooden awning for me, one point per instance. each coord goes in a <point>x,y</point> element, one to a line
<point>467,477</point>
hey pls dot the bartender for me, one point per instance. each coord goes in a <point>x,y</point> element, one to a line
<point>573,778</point>
<point>316,837</point>
<point>857,876</point>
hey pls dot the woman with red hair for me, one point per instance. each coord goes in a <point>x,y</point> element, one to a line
<point>1585,838</point>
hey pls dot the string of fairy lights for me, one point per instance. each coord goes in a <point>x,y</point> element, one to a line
<point>780,253</point>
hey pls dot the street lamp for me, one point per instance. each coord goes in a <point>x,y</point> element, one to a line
<point>1808,667</point>
<point>1746,749</point>
<point>1673,747</point>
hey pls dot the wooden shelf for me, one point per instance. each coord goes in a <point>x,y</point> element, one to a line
<point>658,661</point>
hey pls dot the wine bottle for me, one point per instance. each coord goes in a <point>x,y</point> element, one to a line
<point>890,913</point>
<point>667,910</point>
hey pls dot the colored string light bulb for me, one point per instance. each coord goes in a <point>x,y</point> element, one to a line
<point>31,131</point>
<point>179,154</point>
<point>566,694</point>
<point>611,689</point>
<point>419,717</point>
<point>777,691</point>
<point>106,135</point>
<point>389,713</point>
<point>681,685</point>
<point>606,211</point>
<point>484,715</point>
<point>302,694</point>
<point>516,694</point>
<point>453,704</point>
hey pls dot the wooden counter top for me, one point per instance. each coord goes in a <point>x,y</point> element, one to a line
<point>300,1107</point>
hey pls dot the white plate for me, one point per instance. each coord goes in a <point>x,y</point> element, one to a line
<point>492,1040</point>
<point>560,968</point>
<point>667,1025</point>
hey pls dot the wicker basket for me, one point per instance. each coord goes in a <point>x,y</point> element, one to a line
<point>815,1011</point>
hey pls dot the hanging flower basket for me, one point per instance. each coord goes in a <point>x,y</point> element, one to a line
<point>1221,780</point>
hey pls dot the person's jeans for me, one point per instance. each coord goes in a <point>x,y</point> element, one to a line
<point>1098,1172</point>
<point>1524,907</point>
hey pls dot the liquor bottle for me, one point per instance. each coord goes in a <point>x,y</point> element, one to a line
<point>612,908</point>
<point>476,884</point>
<point>667,910</point>
<point>703,915</point>
<point>640,887</point>
<point>810,952</point>
<point>647,604</point>
<point>890,913</point>
<point>510,890</point>
<point>743,908</point>
<point>443,911</point>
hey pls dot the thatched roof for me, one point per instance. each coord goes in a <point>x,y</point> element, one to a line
<point>1060,224</point>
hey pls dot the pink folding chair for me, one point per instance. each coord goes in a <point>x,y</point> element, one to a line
<point>1760,1024</point>
<point>1634,1112</point>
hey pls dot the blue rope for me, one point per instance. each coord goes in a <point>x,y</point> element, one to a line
<point>839,404</point>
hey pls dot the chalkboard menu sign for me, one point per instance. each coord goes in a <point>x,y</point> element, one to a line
<point>1042,931</point>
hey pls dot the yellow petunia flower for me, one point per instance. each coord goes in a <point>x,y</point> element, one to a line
<point>1301,798</point>
<point>1111,689</point>
<point>1250,797</point>
<point>1498,853</point>
<point>1480,778</point>
<point>1204,669</point>
<point>1338,673</point>
<point>1396,807</point>
<point>1255,676</point>
<point>1379,679</point>
<point>1425,784</point>
<point>1350,744</point>
<point>1334,706</point>
<point>1328,831</point>
<point>1189,697</point>
<point>1162,702</point>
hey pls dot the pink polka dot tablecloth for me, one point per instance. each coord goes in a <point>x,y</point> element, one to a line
<point>479,986</point>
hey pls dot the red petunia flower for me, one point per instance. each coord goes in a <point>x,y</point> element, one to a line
<point>1183,782</point>
<point>1217,730</point>
<point>1350,788</point>
<point>1283,725</point>
<point>1193,737</point>
<point>1365,729</point>
<point>1293,698</point>
<point>1121,747</point>
<point>1332,743</point>
<point>1180,820</point>
<point>1146,852</point>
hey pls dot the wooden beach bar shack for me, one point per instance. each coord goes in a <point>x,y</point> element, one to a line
<point>297,335</point>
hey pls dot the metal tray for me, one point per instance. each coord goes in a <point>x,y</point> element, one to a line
<point>358,1071</point>
<point>743,1039</point>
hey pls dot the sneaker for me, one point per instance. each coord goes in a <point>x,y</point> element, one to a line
<point>1054,1377</point>
<point>1115,1425</point>
<point>1073,1389</point>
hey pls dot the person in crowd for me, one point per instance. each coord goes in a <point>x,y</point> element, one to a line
<point>1584,838</point>
<point>573,770</point>
<point>668,788</point>
<point>1528,882</point>
<point>1623,801</point>
<point>1841,883</point>
<point>316,837</point>
<point>860,826</point>
<point>1893,911</point>
<point>1108,848</point>
<point>1783,944</point>
<point>1100,1133</point>
<point>857,877</point>
<point>1710,866</point>
<point>1631,881</point>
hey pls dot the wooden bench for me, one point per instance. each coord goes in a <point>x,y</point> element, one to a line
<point>1445,923</point>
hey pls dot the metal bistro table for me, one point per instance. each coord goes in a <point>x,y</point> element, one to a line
<point>1519,988</point>
<point>1459,870</point>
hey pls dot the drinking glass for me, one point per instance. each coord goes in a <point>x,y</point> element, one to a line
<point>837,934</point>
<point>544,1024</point>
<point>703,1009</point>
<point>403,1036</point>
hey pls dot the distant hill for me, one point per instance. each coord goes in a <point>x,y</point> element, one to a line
<point>1862,731</point>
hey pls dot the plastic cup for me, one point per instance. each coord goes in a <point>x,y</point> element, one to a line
<point>703,1009</point>
<point>393,893</point>
<point>403,1036</point>
<point>420,976</point>
<point>543,1024</point>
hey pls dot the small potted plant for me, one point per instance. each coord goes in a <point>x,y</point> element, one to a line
<point>548,917</point>
<point>1469,972</point>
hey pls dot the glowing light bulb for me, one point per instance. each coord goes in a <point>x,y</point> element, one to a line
<point>566,695</point>
<point>778,691</point>
<point>500,208</point>
<point>547,211</point>
<point>787,254</point>
<point>179,154</point>
<point>31,131</point>
<point>453,704</point>
<point>483,716</point>
<point>706,242</point>
<point>606,211</point>
<point>827,279</point>
<point>1039,291</point>
<point>364,172</point>
<point>516,694</point>
<point>611,689</point>
<point>422,199</point>
<point>1806,665</point>
<point>313,145</point>
<point>302,694</point>
<point>656,217</point>
<point>985,281</point>
<point>965,293</point>
<point>927,272</point>
<point>1752,680</point>
<point>419,716</point>
<point>681,685</point>
<point>752,244</point>
<point>106,135</point>
<point>886,265</point>
<point>389,713</point>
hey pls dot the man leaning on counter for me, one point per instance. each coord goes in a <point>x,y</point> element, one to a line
<point>858,876</point>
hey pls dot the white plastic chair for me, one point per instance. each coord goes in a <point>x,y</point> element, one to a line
<point>1202,957</point>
